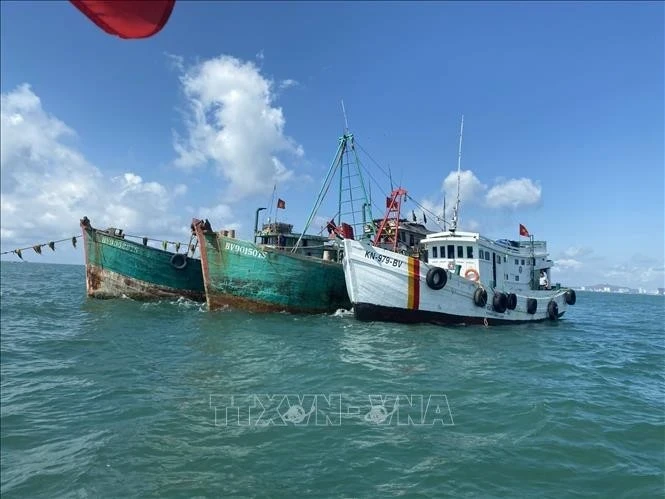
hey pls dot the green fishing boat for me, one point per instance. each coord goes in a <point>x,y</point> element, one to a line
<point>299,273</point>
<point>118,267</point>
<point>243,275</point>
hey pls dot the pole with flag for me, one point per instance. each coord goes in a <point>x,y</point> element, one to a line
<point>281,205</point>
<point>524,232</point>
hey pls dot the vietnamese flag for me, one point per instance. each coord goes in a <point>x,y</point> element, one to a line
<point>281,204</point>
<point>523,231</point>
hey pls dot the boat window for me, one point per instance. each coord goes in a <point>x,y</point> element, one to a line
<point>517,262</point>
<point>506,277</point>
<point>442,251</point>
<point>481,254</point>
<point>505,258</point>
<point>469,251</point>
<point>434,255</point>
<point>517,278</point>
<point>411,243</point>
<point>460,252</point>
<point>522,261</point>
<point>304,242</point>
<point>487,256</point>
<point>498,258</point>
<point>451,251</point>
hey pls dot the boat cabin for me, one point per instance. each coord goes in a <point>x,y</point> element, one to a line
<point>503,264</point>
<point>409,236</point>
<point>281,236</point>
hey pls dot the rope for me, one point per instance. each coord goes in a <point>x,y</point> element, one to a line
<point>387,174</point>
<point>158,240</point>
<point>50,244</point>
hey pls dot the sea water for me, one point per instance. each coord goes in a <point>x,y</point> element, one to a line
<point>123,399</point>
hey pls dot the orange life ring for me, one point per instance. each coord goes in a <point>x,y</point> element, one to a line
<point>472,275</point>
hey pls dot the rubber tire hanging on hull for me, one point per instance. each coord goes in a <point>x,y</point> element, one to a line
<point>499,302</point>
<point>436,278</point>
<point>571,298</point>
<point>512,301</point>
<point>480,297</point>
<point>179,261</point>
<point>553,310</point>
<point>531,305</point>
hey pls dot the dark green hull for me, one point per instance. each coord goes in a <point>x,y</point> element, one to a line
<point>116,267</point>
<point>240,274</point>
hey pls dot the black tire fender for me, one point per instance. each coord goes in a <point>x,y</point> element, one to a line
<point>553,310</point>
<point>436,278</point>
<point>500,302</point>
<point>512,301</point>
<point>179,261</point>
<point>480,297</point>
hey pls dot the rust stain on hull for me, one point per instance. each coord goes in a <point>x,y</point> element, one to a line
<point>219,301</point>
<point>105,284</point>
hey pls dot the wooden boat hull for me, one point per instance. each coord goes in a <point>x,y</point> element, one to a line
<point>117,267</point>
<point>388,286</point>
<point>239,274</point>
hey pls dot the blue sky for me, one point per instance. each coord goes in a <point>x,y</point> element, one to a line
<point>563,105</point>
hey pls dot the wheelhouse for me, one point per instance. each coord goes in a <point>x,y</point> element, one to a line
<point>502,264</point>
<point>281,236</point>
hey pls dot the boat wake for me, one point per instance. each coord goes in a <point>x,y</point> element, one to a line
<point>341,312</point>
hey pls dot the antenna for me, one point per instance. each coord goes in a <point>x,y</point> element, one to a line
<point>346,122</point>
<point>459,165</point>
<point>444,211</point>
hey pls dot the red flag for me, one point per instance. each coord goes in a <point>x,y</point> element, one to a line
<point>523,231</point>
<point>127,19</point>
<point>281,204</point>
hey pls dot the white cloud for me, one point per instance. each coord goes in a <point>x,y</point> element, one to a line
<point>219,214</point>
<point>577,251</point>
<point>470,190</point>
<point>284,84</point>
<point>48,185</point>
<point>514,193</point>
<point>568,263</point>
<point>234,125</point>
<point>470,187</point>
<point>176,62</point>
<point>180,190</point>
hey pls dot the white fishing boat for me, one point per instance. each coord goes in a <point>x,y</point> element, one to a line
<point>460,278</point>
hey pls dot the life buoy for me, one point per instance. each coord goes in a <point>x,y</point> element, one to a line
<point>480,297</point>
<point>531,306</point>
<point>179,261</point>
<point>512,301</point>
<point>472,275</point>
<point>553,310</point>
<point>499,302</point>
<point>436,278</point>
<point>571,298</point>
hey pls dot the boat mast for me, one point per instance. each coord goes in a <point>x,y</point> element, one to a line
<point>341,170</point>
<point>444,211</point>
<point>346,147</point>
<point>453,227</point>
